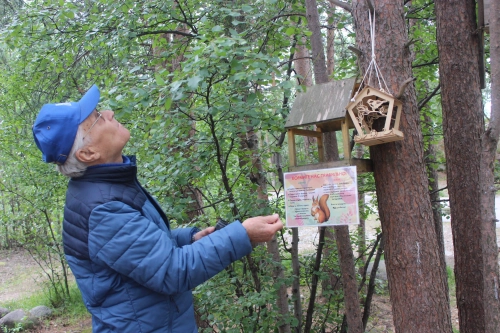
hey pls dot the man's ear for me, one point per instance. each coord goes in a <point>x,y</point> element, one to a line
<point>87,155</point>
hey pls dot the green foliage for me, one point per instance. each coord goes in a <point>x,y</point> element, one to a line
<point>204,88</point>
<point>451,278</point>
<point>16,329</point>
<point>231,301</point>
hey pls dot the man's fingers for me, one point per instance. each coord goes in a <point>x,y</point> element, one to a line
<point>278,225</point>
<point>203,233</point>
<point>271,219</point>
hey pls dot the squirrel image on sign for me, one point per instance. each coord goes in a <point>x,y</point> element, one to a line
<point>319,208</point>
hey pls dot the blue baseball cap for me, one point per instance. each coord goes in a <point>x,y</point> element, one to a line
<point>56,125</point>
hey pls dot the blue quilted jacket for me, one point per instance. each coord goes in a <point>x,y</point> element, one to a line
<point>134,273</point>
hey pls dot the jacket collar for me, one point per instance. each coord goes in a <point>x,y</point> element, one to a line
<point>115,173</point>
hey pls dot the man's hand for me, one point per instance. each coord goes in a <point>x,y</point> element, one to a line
<point>262,228</point>
<point>203,233</point>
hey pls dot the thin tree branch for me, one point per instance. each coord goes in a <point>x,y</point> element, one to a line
<point>434,61</point>
<point>429,97</point>
<point>403,87</point>
<point>286,15</point>
<point>410,42</point>
<point>158,32</point>
<point>438,190</point>
<point>354,49</point>
<point>445,200</point>
<point>344,5</point>
<point>292,60</point>
<point>371,284</point>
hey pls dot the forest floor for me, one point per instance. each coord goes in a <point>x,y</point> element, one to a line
<point>20,277</point>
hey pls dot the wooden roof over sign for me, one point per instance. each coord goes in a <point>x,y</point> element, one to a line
<point>321,103</point>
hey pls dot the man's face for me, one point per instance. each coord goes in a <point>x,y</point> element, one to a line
<point>106,135</point>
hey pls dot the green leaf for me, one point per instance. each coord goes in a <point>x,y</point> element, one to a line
<point>159,80</point>
<point>193,82</point>
<point>290,31</point>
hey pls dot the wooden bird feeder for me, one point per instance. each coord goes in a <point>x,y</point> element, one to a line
<point>371,104</point>
<point>323,105</point>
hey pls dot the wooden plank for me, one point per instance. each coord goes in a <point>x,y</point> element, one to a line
<point>292,153</point>
<point>379,138</point>
<point>345,140</point>
<point>399,110</point>
<point>362,165</point>
<point>388,118</point>
<point>302,132</point>
<point>355,121</point>
<point>321,148</point>
<point>320,103</point>
<point>318,166</point>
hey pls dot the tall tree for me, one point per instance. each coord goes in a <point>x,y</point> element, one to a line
<point>414,270</point>
<point>470,154</point>
<point>342,237</point>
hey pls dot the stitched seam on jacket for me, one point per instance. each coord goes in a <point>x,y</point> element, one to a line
<point>104,245</point>
<point>152,276</point>
<point>136,317</point>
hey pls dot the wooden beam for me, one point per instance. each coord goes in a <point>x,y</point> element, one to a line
<point>302,132</point>
<point>345,139</point>
<point>292,153</point>
<point>321,149</point>
<point>362,165</point>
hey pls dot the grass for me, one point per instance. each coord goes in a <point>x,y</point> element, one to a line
<point>71,310</point>
<point>451,277</point>
<point>20,278</point>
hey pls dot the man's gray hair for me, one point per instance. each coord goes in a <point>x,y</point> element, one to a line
<point>73,167</point>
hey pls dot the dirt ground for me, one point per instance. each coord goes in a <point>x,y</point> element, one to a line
<point>19,277</point>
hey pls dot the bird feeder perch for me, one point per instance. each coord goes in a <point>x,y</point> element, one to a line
<point>371,104</point>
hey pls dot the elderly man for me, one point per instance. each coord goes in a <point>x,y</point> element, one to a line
<point>135,273</point>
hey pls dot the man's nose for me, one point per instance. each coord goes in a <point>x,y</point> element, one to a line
<point>108,114</point>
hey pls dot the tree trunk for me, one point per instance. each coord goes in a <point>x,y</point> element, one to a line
<point>253,163</point>
<point>350,285</point>
<point>470,155</point>
<point>317,49</point>
<point>362,223</point>
<point>415,275</point>
<point>432,174</point>
<point>303,69</point>
<point>488,160</point>
<point>351,297</point>
<point>330,43</point>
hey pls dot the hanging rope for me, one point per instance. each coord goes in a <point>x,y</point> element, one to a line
<point>372,66</point>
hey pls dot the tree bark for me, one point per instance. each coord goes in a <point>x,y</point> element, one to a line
<point>490,247</point>
<point>470,152</point>
<point>317,49</point>
<point>351,297</point>
<point>303,69</point>
<point>350,285</point>
<point>415,275</point>
<point>432,174</point>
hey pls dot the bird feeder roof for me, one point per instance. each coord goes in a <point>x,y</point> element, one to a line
<point>321,103</point>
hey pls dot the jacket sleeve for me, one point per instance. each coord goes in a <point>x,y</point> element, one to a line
<point>132,245</point>
<point>183,235</point>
